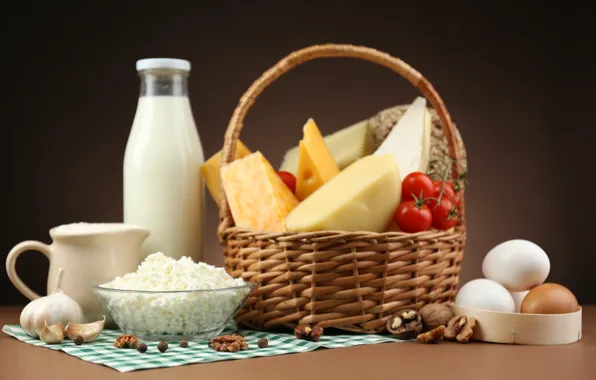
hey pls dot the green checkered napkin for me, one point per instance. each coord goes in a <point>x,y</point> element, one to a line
<point>102,351</point>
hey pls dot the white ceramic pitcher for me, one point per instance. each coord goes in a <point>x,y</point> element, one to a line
<point>90,253</point>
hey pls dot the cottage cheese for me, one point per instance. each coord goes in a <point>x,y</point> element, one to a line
<point>173,313</point>
<point>160,272</point>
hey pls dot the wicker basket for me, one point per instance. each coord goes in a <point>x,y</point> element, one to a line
<point>351,280</point>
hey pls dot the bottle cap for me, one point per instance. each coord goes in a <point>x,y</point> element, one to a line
<point>163,63</point>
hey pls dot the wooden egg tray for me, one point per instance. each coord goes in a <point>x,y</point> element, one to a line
<point>518,328</point>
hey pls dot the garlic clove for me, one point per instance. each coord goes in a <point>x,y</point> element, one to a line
<point>52,334</point>
<point>88,331</point>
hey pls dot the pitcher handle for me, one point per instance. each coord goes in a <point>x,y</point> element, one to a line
<point>11,261</point>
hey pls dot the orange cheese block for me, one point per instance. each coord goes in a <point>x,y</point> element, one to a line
<point>257,196</point>
<point>316,165</point>
<point>210,170</point>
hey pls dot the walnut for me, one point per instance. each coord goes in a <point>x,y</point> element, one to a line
<point>435,314</point>
<point>228,343</point>
<point>454,326</point>
<point>308,333</point>
<point>126,341</point>
<point>405,324</point>
<point>460,328</point>
<point>467,331</point>
<point>433,336</point>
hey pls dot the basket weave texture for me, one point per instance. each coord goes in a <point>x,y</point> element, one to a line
<point>350,280</point>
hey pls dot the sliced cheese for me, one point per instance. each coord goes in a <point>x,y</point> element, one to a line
<point>409,139</point>
<point>257,196</point>
<point>210,170</point>
<point>315,162</point>
<point>346,146</point>
<point>362,197</point>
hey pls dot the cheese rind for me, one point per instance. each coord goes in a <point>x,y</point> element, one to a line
<point>409,140</point>
<point>362,197</point>
<point>316,164</point>
<point>210,170</point>
<point>346,146</point>
<point>426,140</point>
<point>257,196</point>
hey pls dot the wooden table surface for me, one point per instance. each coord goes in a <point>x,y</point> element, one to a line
<point>382,361</point>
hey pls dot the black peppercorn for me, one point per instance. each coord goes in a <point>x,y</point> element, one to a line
<point>183,343</point>
<point>78,340</point>
<point>162,346</point>
<point>263,342</point>
<point>141,347</point>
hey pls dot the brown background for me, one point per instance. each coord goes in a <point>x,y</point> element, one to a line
<point>516,79</point>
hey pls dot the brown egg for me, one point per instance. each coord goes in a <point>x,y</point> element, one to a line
<point>549,298</point>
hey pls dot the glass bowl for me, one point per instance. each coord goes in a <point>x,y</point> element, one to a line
<point>173,315</point>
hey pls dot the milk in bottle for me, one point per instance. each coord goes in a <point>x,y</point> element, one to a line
<point>163,188</point>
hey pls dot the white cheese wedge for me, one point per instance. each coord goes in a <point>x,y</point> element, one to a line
<point>346,146</point>
<point>409,139</point>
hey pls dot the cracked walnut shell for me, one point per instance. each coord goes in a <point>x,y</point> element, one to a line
<point>126,341</point>
<point>228,343</point>
<point>405,324</point>
<point>308,333</point>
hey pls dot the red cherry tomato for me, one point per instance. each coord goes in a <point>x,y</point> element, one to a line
<point>413,216</point>
<point>288,179</point>
<point>416,185</point>
<point>444,215</point>
<point>449,193</point>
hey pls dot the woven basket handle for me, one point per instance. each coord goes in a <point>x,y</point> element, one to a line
<point>299,57</point>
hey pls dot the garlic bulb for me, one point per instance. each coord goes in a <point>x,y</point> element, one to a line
<point>52,334</point>
<point>88,331</point>
<point>53,308</point>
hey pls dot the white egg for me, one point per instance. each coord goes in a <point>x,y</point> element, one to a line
<point>517,264</point>
<point>518,297</point>
<point>485,294</point>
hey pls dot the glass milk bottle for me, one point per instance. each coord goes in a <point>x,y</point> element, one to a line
<point>163,188</point>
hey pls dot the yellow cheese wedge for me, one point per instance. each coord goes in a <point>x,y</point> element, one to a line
<point>362,197</point>
<point>257,196</point>
<point>210,170</point>
<point>346,146</point>
<point>316,165</point>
